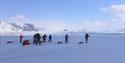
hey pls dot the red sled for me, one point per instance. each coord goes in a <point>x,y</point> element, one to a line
<point>26,42</point>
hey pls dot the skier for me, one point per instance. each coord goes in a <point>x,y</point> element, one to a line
<point>86,37</point>
<point>66,38</point>
<point>38,39</point>
<point>50,38</point>
<point>44,38</point>
<point>21,38</point>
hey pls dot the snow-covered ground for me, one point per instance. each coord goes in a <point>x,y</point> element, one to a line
<point>100,49</point>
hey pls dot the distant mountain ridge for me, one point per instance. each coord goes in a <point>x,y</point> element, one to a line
<point>15,28</point>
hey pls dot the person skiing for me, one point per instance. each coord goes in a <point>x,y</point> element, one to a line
<point>50,38</point>
<point>86,37</point>
<point>21,38</point>
<point>38,39</point>
<point>66,38</point>
<point>44,38</point>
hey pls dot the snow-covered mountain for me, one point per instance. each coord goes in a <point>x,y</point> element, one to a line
<point>16,27</point>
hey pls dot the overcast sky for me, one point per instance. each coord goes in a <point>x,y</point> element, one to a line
<point>75,15</point>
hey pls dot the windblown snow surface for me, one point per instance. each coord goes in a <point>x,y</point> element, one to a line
<point>99,49</point>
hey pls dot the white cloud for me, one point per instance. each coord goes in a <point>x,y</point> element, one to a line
<point>87,26</point>
<point>118,10</point>
<point>18,19</point>
<point>51,25</point>
<point>117,23</point>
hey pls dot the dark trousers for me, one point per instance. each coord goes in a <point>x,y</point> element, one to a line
<point>86,40</point>
<point>21,40</point>
<point>66,40</point>
<point>34,41</point>
<point>38,41</point>
<point>44,39</point>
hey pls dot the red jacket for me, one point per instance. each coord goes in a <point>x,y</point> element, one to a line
<point>21,36</point>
